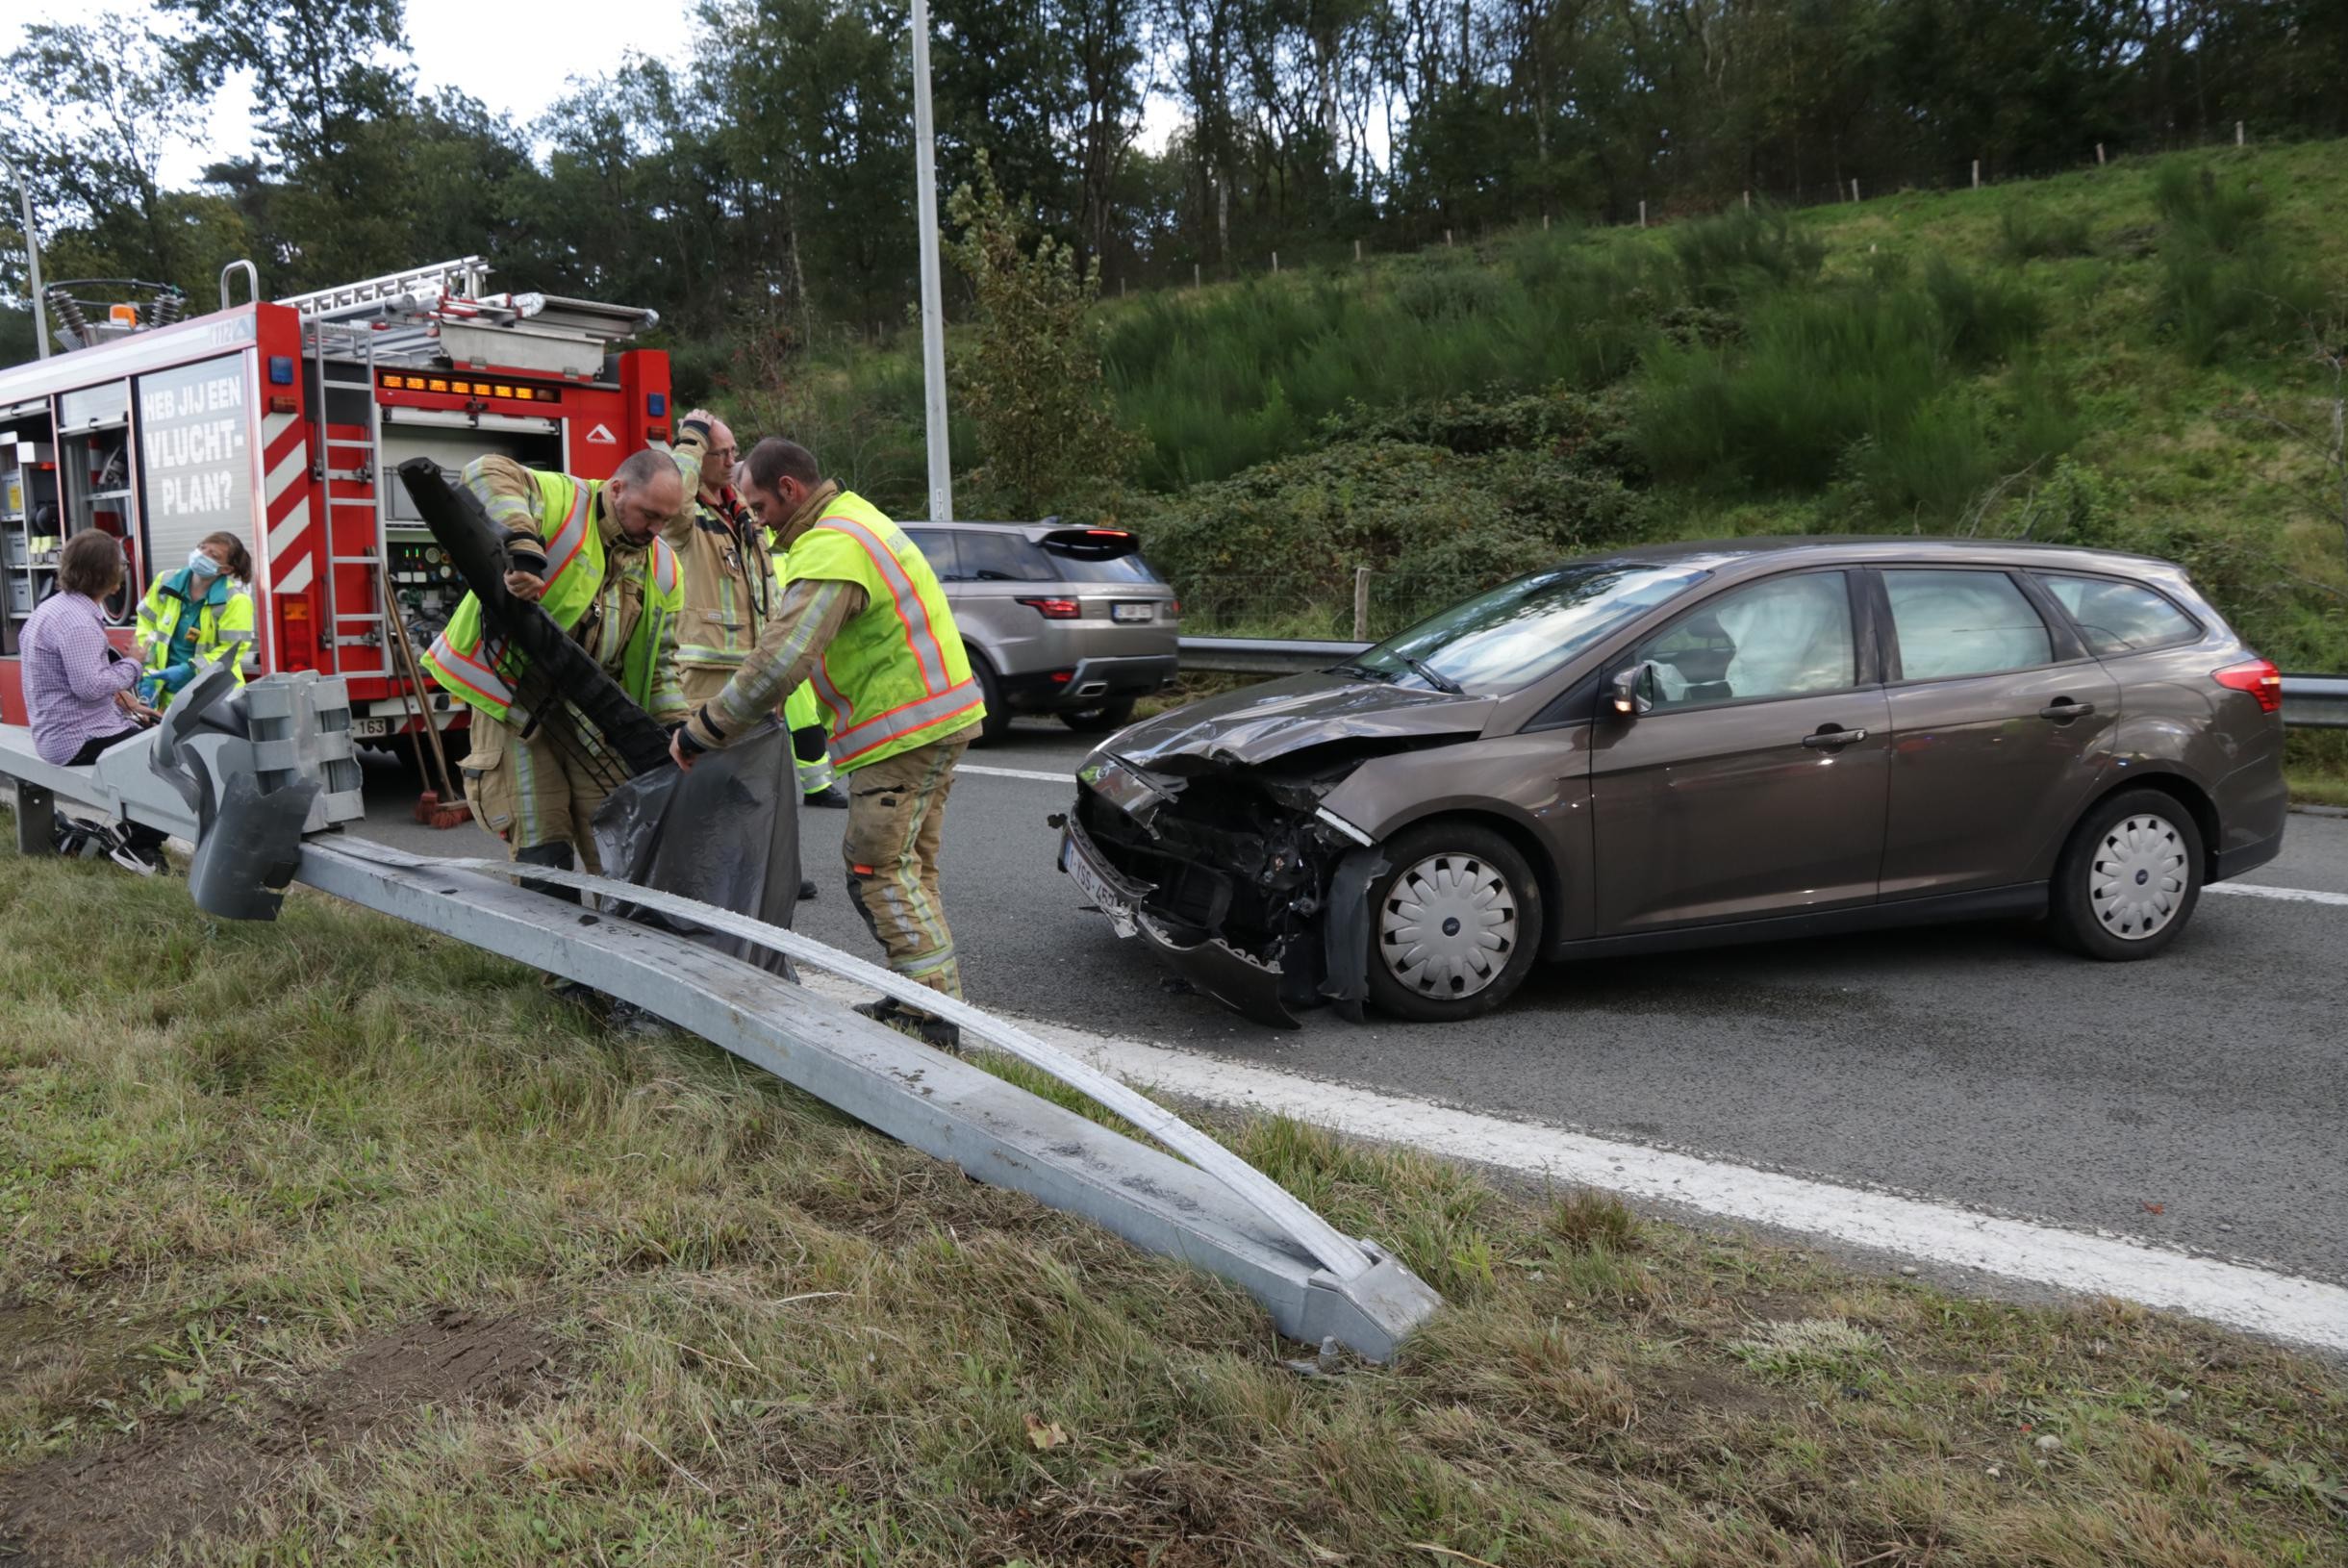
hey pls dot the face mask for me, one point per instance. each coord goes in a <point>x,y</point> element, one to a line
<point>202,565</point>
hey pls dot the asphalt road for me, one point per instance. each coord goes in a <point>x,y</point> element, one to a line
<point>2198,1100</point>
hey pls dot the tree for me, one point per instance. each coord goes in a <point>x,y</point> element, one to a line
<point>91,108</point>
<point>1032,381</point>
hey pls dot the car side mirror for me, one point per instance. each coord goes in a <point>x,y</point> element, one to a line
<point>1632,691</point>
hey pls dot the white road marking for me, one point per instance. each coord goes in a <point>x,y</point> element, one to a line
<point>2236,1295</point>
<point>2296,896</point>
<point>1068,777</point>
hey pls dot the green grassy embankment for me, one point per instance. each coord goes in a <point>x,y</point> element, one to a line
<point>331,1241</point>
<point>2092,358</point>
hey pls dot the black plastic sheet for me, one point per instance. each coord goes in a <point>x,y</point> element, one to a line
<point>726,833</point>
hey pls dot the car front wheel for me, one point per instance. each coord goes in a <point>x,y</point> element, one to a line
<point>2129,878</point>
<point>1454,924</point>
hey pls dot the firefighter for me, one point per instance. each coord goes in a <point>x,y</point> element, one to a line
<point>809,745</point>
<point>590,552</point>
<point>193,615</point>
<point>863,617</point>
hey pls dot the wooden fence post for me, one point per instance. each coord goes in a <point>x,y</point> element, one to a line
<point>1642,214</point>
<point>1446,237</point>
<point>1275,261</point>
<point>1854,187</point>
<point>2099,155</point>
<point>1361,604</point>
<point>1748,201</point>
<point>2237,133</point>
<point>1977,174</point>
<point>1357,250</point>
<point>1194,279</point>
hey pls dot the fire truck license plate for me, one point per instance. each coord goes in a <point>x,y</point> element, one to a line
<point>366,729</point>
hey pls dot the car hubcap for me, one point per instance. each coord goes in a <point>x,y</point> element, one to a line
<point>1448,926</point>
<point>2137,881</point>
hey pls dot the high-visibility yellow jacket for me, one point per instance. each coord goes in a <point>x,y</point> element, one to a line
<point>642,655</point>
<point>896,675</point>
<point>224,615</point>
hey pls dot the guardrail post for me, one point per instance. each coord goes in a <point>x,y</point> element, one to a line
<point>36,820</point>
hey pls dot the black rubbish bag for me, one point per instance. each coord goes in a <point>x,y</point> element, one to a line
<point>726,833</point>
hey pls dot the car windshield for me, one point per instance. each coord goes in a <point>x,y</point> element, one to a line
<point>1520,631</point>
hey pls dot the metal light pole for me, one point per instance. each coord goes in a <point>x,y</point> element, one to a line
<point>933,286</point>
<point>31,251</point>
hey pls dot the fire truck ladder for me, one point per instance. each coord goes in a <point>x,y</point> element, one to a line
<point>349,348</point>
<point>440,313</point>
<point>262,811</point>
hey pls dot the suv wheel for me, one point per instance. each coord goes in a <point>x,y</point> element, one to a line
<point>1455,925</point>
<point>1116,714</point>
<point>2129,878</point>
<point>998,723</point>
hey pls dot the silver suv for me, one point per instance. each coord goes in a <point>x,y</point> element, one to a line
<point>1065,621</point>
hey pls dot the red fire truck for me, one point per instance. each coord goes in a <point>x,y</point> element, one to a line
<point>283,424</point>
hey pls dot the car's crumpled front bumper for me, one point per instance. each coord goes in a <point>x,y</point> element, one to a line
<point>1267,988</point>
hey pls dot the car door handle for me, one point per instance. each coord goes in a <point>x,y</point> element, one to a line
<point>1832,740</point>
<point>2062,710</point>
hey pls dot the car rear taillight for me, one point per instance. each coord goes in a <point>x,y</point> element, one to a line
<point>1055,609</point>
<point>2259,679</point>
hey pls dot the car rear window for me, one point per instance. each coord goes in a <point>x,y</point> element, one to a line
<point>2122,618</point>
<point>937,547</point>
<point>1116,568</point>
<point>989,557</point>
<point>1952,623</point>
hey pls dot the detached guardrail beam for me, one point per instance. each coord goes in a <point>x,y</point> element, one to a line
<point>244,800</point>
<point>2308,702</point>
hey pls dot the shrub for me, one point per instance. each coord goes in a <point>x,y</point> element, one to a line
<point>2205,211</point>
<point>1741,254</point>
<point>1218,385</point>
<point>1984,318</point>
<point>2030,233</point>
<point>1279,544</point>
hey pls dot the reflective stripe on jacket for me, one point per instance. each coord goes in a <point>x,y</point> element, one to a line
<point>223,619</point>
<point>483,677</point>
<point>896,675</point>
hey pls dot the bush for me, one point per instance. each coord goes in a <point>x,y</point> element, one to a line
<point>1984,318</point>
<point>1279,544</point>
<point>2205,211</point>
<point>2030,233</point>
<point>1220,384</point>
<point>1739,255</point>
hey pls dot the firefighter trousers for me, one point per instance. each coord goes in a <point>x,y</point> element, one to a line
<point>895,824</point>
<point>532,793</point>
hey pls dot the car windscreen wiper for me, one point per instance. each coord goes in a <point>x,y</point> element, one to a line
<point>1429,673</point>
<point>1351,667</point>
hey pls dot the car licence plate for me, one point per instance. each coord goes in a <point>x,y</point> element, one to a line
<point>369,728</point>
<point>1079,865</point>
<point>1131,612</point>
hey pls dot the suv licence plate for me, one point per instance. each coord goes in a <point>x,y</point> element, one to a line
<point>1130,612</point>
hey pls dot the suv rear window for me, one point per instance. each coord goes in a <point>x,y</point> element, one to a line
<point>985,555</point>
<point>2121,618</point>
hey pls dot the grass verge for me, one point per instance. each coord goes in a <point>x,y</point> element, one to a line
<point>333,1241</point>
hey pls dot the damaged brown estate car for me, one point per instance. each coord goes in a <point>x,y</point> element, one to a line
<point>1691,745</point>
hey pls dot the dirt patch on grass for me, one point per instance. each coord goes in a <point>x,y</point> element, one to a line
<point>179,1477</point>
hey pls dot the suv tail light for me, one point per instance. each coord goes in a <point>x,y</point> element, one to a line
<point>2259,679</point>
<point>1055,609</point>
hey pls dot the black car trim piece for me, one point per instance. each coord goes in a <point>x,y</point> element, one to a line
<point>2247,857</point>
<point>2024,898</point>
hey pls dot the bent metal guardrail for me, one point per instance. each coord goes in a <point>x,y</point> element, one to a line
<point>262,809</point>
<point>2308,702</point>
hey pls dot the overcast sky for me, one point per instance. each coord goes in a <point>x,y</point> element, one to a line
<point>517,63</point>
